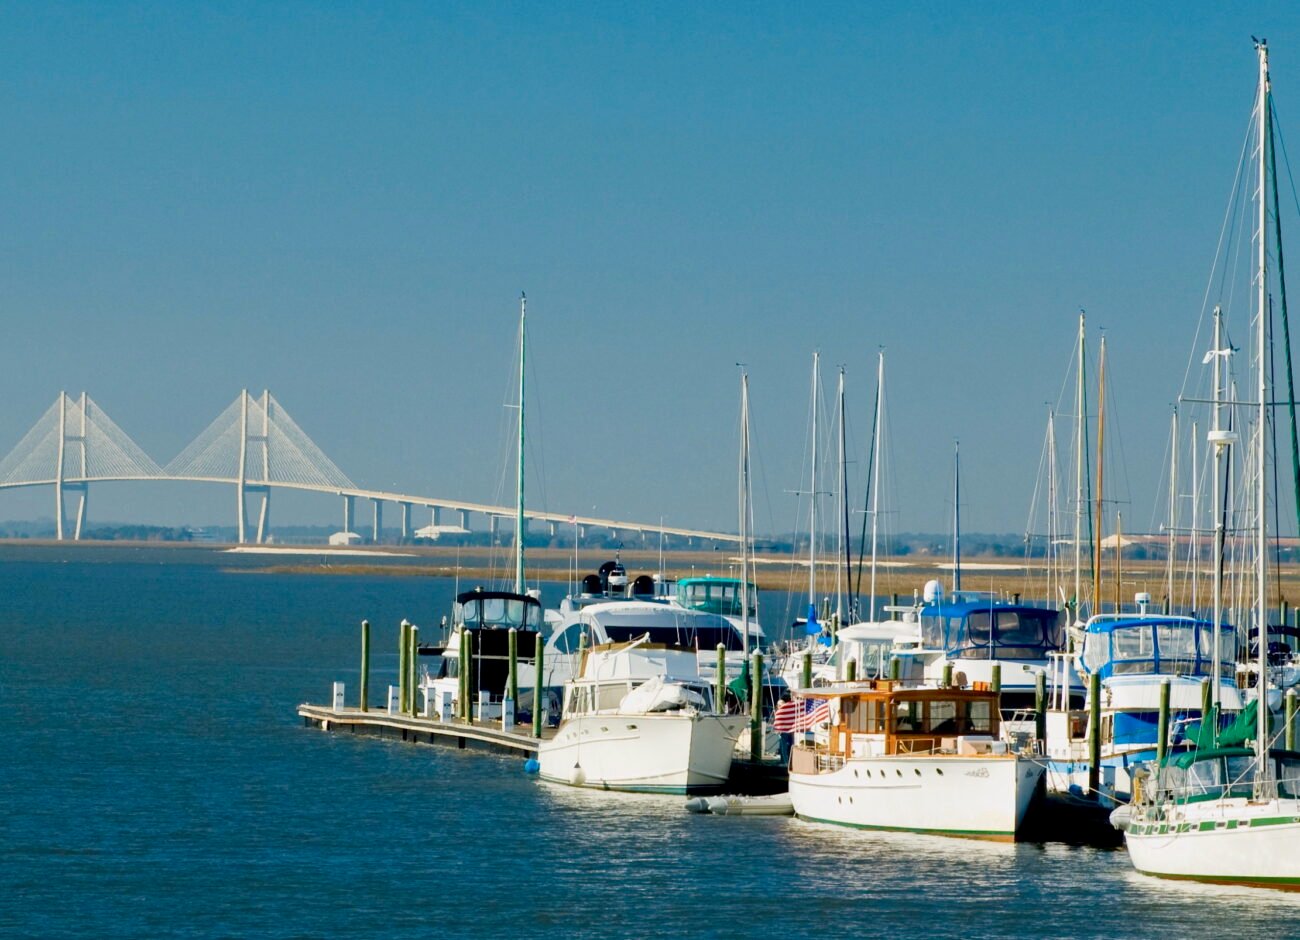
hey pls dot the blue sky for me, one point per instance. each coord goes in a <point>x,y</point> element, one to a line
<point>342,203</point>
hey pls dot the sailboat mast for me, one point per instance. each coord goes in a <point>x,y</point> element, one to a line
<point>956,516</point>
<point>1101,432</point>
<point>1196,521</point>
<point>1173,503</point>
<point>1052,521</point>
<point>842,512</point>
<point>744,514</point>
<point>875,478</point>
<point>1080,417</point>
<point>1220,443</point>
<point>812,512</point>
<point>519,476</point>
<point>1261,445</point>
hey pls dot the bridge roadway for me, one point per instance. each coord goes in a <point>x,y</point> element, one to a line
<point>379,497</point>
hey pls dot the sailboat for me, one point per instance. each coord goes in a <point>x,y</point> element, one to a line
<point>1228,810</point>
<point>471,678</point>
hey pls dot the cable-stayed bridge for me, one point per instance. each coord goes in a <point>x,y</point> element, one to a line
<point>254,446</point>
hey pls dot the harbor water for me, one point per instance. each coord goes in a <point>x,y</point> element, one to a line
<point>156,781</point>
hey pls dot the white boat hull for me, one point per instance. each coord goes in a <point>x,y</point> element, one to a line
<point>974,797</point>
<point>1230,842</point>
<point>651,753</point>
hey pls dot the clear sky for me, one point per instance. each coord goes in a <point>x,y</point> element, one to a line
<point>342,203</point>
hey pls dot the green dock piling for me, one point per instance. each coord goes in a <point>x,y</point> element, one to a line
<point>412,657</point>
<point>465,667</point>
<point>947,675</point>
<point>1207,703</point>
<point>756,709</point>
<point>1290,719</point>
<point>1162,732</point>
<point>513,647</point>
<point>365,665</point>
<point>807,671</point>
<point>537,686</point>
<point>1040,710</point>
<point>720,681</point>
<point>997,677</point>
<point>851,670</point>
<point>895,668</point>
<point>1094,734</point>
<point>401,667</point>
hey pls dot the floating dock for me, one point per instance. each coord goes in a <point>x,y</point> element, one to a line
<point>458,734</point>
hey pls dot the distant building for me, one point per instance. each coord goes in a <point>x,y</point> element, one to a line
<point>345,538</point>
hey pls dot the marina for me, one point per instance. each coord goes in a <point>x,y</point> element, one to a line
<point>569,602</point>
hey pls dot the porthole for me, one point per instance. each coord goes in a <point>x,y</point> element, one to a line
<point>939,771</point>
<point>899,772</point>
<point>918,771</point>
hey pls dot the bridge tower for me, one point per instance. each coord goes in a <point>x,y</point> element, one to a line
<point>75,441</point>
<point>254,443</point>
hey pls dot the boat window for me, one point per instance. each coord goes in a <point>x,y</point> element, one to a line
<point>1205,778</point>
<point>1136,642</point>
<point>1288,777</point>
<point>609,695</point>
<point>943,718</point>
<point>568,639</point>
<point>1177,645</point>
<point>865,716</point>
<point>1241,775</point>
<point>467,612</point>
<point>932,631</point>
<point>1014,629</point>
<point>977,627</point>
<point>448,668</point>
<point>701,638</point>
<point>980,717</point>
<point>1096,651</point>
<point>907,718</point>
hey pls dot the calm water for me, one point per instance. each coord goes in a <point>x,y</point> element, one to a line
<point>155,781</point>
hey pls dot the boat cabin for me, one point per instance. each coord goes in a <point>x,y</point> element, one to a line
<point>1223,773</point>
<point>716,596</point>
<point>880,718</point>
<point>637,677</point>
<point>1159,646</point>
<point>986,628</point>
<point>488,617</point>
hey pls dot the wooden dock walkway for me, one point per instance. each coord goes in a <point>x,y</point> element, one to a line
<point>378,722</point>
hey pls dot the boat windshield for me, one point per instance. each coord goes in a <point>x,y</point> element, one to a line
<point>992,631</point>
<point>499,610</point>
<point>700,638</point>
<point>716,596</point>
<point>1158,647</point>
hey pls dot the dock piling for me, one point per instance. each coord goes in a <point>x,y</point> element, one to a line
<point>997,677</point>
<point>895,668</point>
<point>1094,735</point>
<point>537,686</point>
<point>402,646</point>
<point>720,681</point>
<point>947,675</point>
<point>1290,719</point>
<point>464,668</point>
<point>807,670</point>
<point>851,670</point>
<point>412,654</point>
<point>756,709</point>
<point>513,645</point>
<point>1162,732</point>
<point>365,665</point>
<point>1040,710</point>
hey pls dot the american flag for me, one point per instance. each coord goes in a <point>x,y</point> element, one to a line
<point>802,715</point>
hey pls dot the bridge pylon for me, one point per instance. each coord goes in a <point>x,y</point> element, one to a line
<point>74,442</point>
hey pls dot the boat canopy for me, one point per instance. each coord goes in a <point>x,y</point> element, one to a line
<point>499,610</point>
<point>1226,772</point>
<point>1172,646</point>
<point>620,621</point>
<point>989,629</point>
<point>715,596</point>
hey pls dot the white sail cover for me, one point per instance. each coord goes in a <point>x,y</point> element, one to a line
<point>655,695</point>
